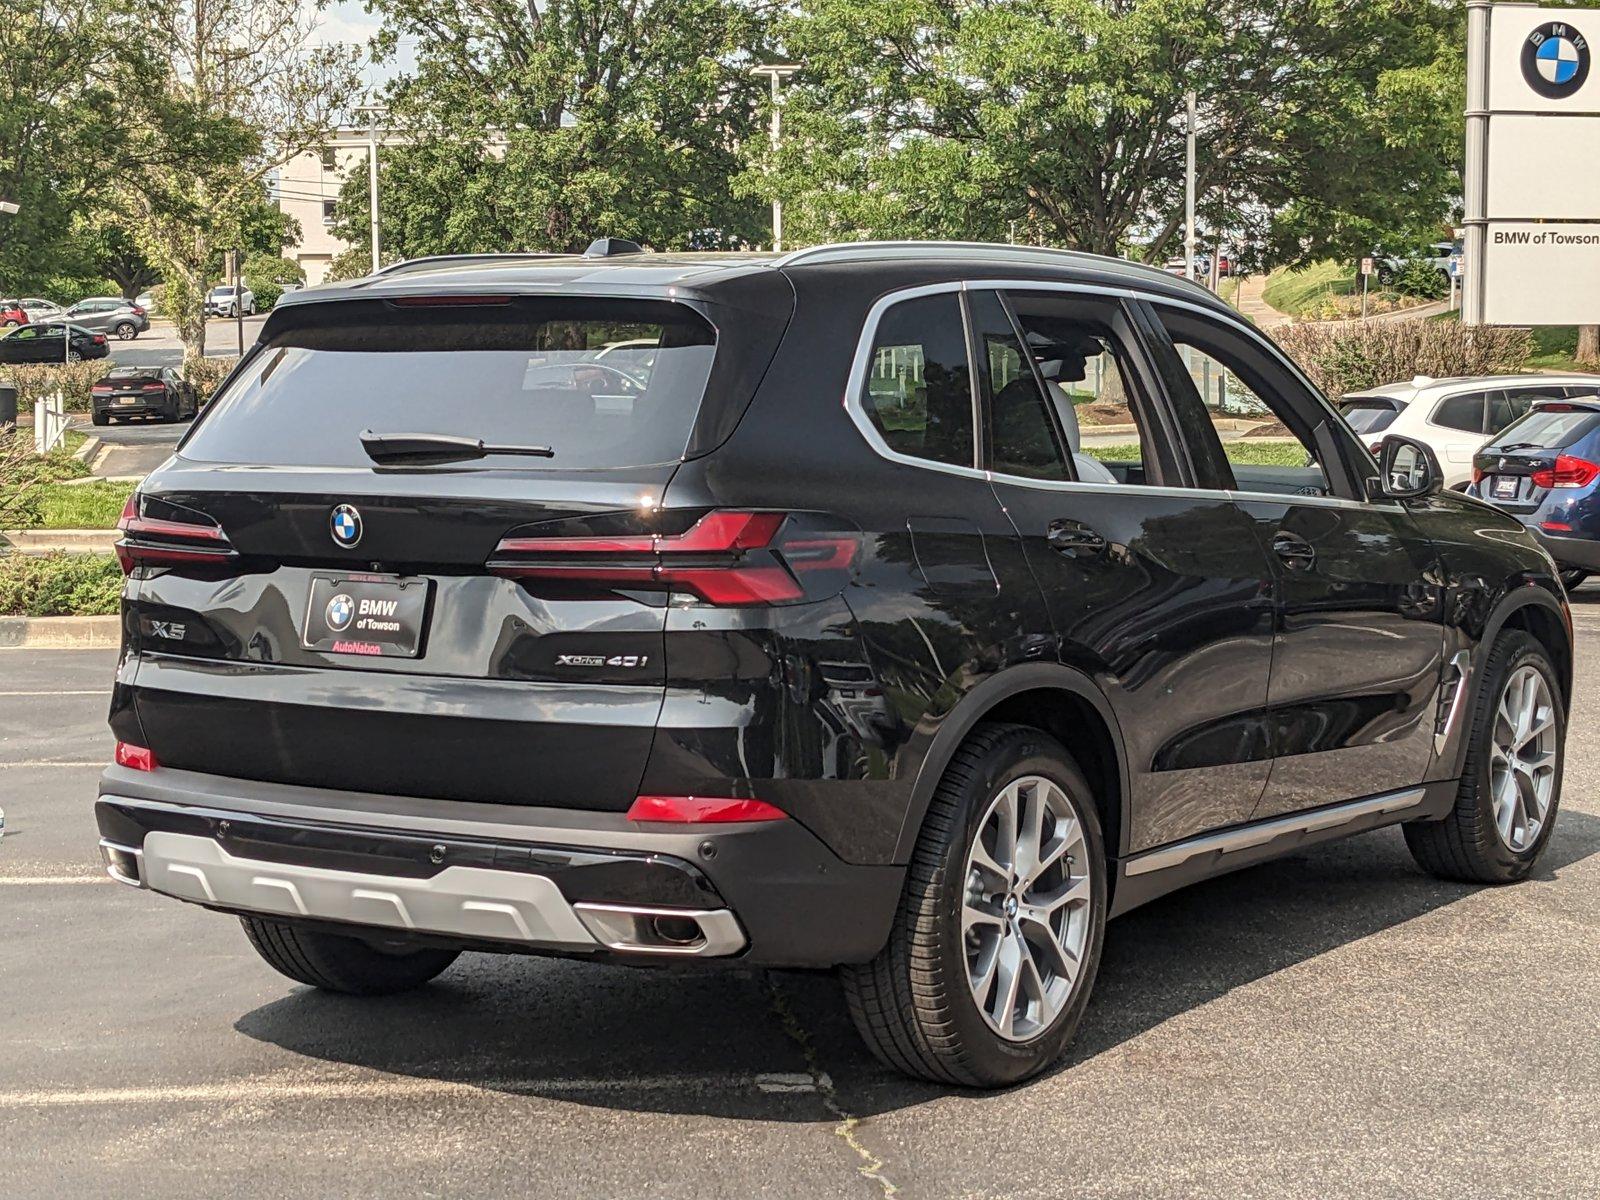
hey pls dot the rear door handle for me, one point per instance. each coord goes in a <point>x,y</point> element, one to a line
<point>1296,553</point>
<point>1074,538</point>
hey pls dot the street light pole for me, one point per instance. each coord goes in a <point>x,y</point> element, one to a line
<point>776,73</point>
<point>1188,190</point>
<point>374,111</point>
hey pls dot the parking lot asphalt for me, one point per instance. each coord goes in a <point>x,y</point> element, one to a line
<point>1333,1023</point>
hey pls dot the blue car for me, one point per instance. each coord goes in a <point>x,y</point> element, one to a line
<point>1544,469</point>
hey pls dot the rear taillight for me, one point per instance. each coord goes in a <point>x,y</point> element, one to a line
<point>1568,472</point>
<point>1555,526</point>
<point>1375,447</point>
<point>137,311</point>
<point>100,390</point>
<point>136,757</point>
<point>153,387</point>
<point>1477,475</point>
<point>727,557</point>
<point>702,810</point>
<point>99,339</point>
<point>149,541</point>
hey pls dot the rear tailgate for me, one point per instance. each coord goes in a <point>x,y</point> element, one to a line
<point>343,624</point>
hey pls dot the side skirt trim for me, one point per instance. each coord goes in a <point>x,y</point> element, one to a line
<point>1246,837</point>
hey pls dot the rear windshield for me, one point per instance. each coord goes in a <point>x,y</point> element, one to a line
<point>548,371</point>
<point>1544,429</point>
<point>133,372</point>
<point>1370,415</point>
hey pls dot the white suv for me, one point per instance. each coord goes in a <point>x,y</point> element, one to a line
<point>1455,416</point>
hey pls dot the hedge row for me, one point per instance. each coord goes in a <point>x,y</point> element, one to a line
<point>1349,356</point>
<point>35,381</point>
<point>59,585</point>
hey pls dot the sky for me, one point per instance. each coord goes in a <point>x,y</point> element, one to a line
<point>349,22</point>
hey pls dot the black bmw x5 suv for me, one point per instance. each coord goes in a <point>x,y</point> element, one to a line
<point>770,610</point>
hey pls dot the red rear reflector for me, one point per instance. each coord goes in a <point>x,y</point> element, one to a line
<point>701,810</point>
<point>1556,526</point>
<point>135,757</point>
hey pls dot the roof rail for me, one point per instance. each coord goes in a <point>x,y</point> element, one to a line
<point>429,261</point>
<point>835,251</point>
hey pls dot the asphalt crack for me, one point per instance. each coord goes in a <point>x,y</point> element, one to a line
<point>870,1166</point>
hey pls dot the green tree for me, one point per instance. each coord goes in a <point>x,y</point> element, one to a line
<point>542,126</point>
<point>243,93</point>
<point>66,70</point>
<point>956,118</point>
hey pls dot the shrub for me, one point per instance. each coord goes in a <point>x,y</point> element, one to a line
<point>266,274</point>
<point>1418,277</point>
<point>207,373</point>
<point>1350,356</point>
<point>73,380</point>
<point>59,585</point>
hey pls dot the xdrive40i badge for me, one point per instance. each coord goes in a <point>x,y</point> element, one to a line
<point>1555,60</point>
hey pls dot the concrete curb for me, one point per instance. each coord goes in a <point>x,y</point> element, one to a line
<point>73,541</point>
<point>60,633</point>
<point>86,451</point>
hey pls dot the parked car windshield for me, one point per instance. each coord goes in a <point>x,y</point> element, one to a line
<point>519,372</point>
<point>1370,414</point>
<point>1546,429</point>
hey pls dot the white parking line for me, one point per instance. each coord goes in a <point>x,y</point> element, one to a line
<point>50,762</point>
<point>84,692</point>
<point>269,1089</point>
<point>51,880</point>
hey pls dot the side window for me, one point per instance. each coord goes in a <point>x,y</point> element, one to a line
<point>1079,344</point>
<point>1505,407</point>
<point>1022,429</point>
<point>1264,418</point>
<point>918,393</point>
<point>1464,412</point>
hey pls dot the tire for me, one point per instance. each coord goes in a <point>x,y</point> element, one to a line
<point>341,964</point>
<point>127,330</point>
<point>913,1004</point>
<point>1571,579</point>
<point>73,356</point>
<point>100,418</point>
<point>1468,844</point>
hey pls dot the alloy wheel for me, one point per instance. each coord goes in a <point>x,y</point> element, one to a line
<point>1522,758</point>
<point>1025,918</point>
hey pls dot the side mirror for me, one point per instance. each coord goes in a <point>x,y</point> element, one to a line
<point>1407,469</point>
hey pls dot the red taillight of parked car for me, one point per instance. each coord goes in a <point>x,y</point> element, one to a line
<point>727,557</point>
<point>702,810</point>
<point>1477,475</point>
<point>101,389</point>
<point>1568,472</point>
<point>137,311</point>
<point>153,387</point>
<point>137,758</point>
<point>99,339</point>
<point>160,542</point>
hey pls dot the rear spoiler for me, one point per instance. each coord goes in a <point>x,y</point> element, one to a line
<point>1570,405</point>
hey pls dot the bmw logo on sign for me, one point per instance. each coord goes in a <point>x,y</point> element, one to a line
<point>346,525</point>
<point>339,611</point>
<point>1555,60</point>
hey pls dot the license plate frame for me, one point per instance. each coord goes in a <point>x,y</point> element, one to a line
<point>1505,487</point>
<point>379,616</point>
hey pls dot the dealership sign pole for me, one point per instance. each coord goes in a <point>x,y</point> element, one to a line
<point>1532,187</point>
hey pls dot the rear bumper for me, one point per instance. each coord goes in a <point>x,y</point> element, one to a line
<point>1581,552</point>
<point>141,409</point>
<point>494,877</point>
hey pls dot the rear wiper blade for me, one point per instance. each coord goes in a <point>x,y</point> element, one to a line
<point>386,448</point>
<point>1513,446</point>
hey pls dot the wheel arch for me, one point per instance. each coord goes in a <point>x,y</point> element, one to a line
<point>1057,699</point>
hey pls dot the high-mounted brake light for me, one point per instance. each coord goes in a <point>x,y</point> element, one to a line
<point>135,757</point>
<point>728,557</point>
<point>153,542</point>
<point>702,810</point>
<point>1569,471</point>
<point>448,301</point>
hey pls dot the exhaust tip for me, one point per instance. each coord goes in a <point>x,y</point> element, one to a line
<point>123,863</point>
<point>705,933</point>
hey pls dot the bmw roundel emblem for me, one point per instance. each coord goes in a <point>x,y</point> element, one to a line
<point>1555,60</point>
<point>346,525</point>
<point>339,611</point>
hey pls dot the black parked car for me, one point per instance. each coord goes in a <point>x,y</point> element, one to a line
<point>142,392</point>
<point>43,343</point>
<point>816,642</point>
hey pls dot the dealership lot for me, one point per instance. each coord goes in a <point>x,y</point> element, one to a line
<point>1335,1022</point>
